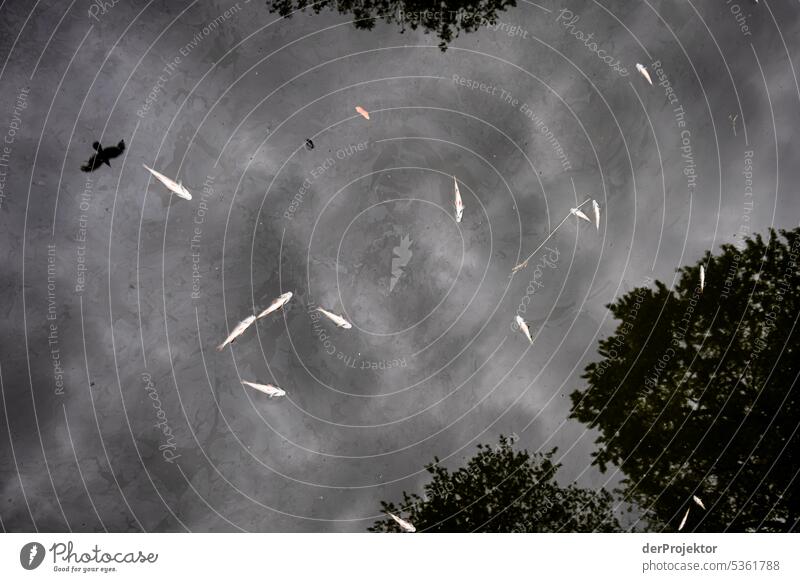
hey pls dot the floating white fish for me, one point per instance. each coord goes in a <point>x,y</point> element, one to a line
<point>175,187</point>
<point>404,525</point>
<point>237,331</point>
<point>277,304</point>
<point>702,278</point>
<point>519,267</point>
<point>337,319</point>
<point>459,204</point>
<point>685,517</point>
<point>596,208</point>
<point>523,327</point>
<point>698,501</point>
<point>573,211</point>
<point>579,213</point>
<point>268,389</point>
<point>363,112</point>
<point>643,70</point>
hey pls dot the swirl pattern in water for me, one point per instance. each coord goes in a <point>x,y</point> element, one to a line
<point>348,266</point>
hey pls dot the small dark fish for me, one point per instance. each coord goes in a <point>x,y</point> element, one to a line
<point>102,155</point>
<point>309,144</point>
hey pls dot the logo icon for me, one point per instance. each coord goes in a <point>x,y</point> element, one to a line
<point>31,555</point>
<point>401,254</point>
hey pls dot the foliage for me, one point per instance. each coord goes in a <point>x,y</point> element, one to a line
<point>696,392</point>
<point>501,490</point>
<point>446,18</point>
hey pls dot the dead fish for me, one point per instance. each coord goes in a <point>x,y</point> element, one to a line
<point>175,187</point>
<point>268,389</point>
<point>519,267</point>
<point>685,517</point>
<point>404,525</point>
<point>523,327</point>
<point>575,212</point>
<point>362,112</point>
<point>702,278</point>
<point>596,208</point>
<point>237,331</point>
<point>309,144</point>
<point>643,70</point>
<point>337,319</point>
<point>459,204</point>
<point>579,213</point>
<point>698,501</point>
<point>277,304</point>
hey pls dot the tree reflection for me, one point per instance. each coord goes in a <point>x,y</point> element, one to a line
<point>446,18</point>
<point>502,490</point>
<point>696,392</point>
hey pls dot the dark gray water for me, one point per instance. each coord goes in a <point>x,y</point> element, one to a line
<point>118,412</point>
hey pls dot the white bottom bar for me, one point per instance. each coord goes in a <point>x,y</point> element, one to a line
<point>423,557</point>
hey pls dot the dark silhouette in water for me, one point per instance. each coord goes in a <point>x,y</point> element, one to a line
<point>502,490</point>
<point>102,155</point>
<point>309,144</point>
<point>697,392</point>
<point>446,18</point>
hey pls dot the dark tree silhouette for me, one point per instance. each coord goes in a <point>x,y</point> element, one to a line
<point>697,394</point>
<point>501,490</point>
<point>445,18</point>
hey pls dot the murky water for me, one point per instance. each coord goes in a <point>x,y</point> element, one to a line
<point>120,414</point>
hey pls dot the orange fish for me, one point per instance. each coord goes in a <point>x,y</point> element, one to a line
<point>363,112</point>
